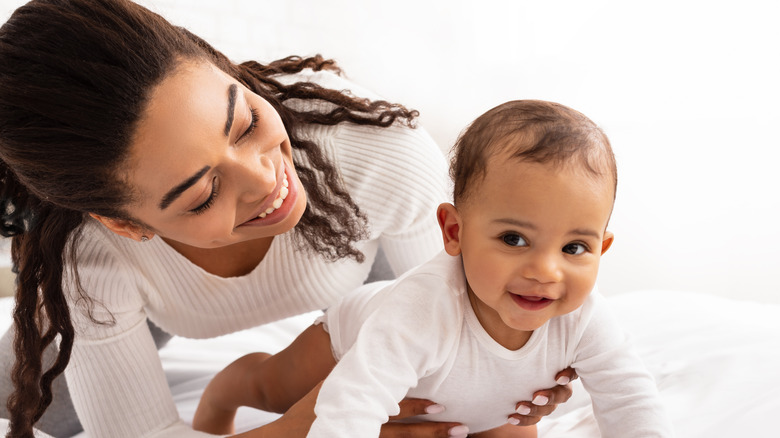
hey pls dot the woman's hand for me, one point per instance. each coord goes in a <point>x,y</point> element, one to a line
<point>529,413</point>
<point>411,407</point>
<point>296,422</point>
<point>544,401</point>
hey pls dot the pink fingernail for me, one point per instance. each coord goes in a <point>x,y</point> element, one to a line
<point>434,409</point>
<point>563,380</point>
<point>459,431</point>
<point>523,410</point>
<point>540,400</point>
<point>513,421</point>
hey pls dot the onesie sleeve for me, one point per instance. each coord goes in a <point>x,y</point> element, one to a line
<point>115,376</point>
<point>408,336</point>
<point>626,401</point>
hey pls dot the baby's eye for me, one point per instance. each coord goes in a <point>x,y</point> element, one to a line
<point>512,239</point>
<point>575,248</point>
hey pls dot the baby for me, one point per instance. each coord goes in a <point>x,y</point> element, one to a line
<point>491,319</point>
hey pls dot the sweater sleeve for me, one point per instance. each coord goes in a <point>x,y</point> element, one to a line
<point>398,175</point>
<point>625,398</point>
<point>115,376</point>
<point>403,340</point>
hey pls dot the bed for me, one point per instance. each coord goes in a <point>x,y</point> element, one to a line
<point>715,361</point>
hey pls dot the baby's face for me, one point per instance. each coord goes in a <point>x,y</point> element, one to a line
<point>531,236</point>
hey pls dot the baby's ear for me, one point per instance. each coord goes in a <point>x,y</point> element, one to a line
<point>607,242</point>
<point>449,222</point>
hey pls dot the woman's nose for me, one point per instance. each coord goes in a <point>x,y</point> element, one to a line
<point>543,267</point>
<point>257,178</point>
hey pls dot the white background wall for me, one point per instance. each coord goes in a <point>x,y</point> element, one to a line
<point>687,91</point>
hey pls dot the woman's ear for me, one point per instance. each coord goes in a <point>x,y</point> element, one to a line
<point>123,227</point>
<point>449,222</point>
<point>607,242</point>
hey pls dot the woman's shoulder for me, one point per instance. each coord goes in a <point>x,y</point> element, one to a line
<point>96,241</point>
<point>359,142</point>
<point>108,266</point>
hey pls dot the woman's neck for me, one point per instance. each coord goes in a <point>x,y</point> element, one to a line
<point>228,261</point>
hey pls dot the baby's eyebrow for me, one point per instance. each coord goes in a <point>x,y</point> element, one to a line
<point>585,232</point>
<point>515,222</point>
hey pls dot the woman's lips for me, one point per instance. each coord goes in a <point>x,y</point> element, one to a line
<point>532,303</point>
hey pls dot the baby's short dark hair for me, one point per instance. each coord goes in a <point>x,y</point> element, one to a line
<point>532,130</point>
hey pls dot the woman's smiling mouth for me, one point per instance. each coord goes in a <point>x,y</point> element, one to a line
<point>283,192</point>
<point>282,205</point>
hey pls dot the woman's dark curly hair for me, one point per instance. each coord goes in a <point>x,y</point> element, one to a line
<point>75,76</point>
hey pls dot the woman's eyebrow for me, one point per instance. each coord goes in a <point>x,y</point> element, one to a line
<point>231,109</point>
<point>175,192</point>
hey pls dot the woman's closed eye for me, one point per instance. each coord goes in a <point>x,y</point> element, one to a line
<point>514,239</point>
<point>252,125</point>
<point>210,201</point>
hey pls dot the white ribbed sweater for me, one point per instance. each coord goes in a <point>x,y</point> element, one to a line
<point>396,175</point>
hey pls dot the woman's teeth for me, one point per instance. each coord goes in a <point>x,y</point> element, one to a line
<point>279,198</point>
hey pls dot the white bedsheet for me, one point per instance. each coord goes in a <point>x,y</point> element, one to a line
<point>715,361</point>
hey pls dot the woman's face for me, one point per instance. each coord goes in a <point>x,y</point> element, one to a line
<point>212,162</point>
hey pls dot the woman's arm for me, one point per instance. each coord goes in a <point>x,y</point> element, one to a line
<point>119,388</point>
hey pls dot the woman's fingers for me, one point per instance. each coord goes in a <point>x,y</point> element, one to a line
<point>553,396</point>
<point>523,420</point>
<point>566,376</point>
<point>545,401</point>
<point>423,430</point>
<point>411,407</point>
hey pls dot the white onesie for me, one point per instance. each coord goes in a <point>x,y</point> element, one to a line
<point>419,337</point>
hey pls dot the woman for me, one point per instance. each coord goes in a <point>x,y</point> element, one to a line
<point>146,177</point>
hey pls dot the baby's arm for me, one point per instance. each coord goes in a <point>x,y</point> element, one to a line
<point>625,399</point>
<point>259,380</point>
